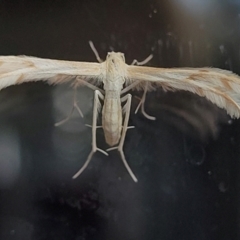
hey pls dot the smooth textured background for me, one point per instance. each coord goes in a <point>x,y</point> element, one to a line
<point>187,161</point>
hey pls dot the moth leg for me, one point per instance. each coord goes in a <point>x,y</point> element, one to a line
<point>97,95</point>
<point>127,106</point>
<point>142,100</point>
<point>87,84</point>
<point>75,105</point>
<point>129,87</point>
<point>141,103</point>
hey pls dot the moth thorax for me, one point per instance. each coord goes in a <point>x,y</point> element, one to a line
<point>116,85</point>
<point>115,65</point>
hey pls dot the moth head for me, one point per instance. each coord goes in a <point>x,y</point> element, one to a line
<point>115,58</point>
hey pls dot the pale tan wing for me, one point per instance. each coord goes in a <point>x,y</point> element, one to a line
<point>20,69</point>
<point>219,86</point>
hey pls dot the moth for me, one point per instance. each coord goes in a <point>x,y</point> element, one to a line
<point>112,80</point>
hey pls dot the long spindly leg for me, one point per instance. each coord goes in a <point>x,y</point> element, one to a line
<point>141,104</point>
<point>97,95</point>
<point>142,101</point>
<point>127,107</point>
<point>87,84</point>
<point>129,87</point>
<point>75,105</point>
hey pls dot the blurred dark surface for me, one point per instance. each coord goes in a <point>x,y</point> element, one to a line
<point>187,161</point>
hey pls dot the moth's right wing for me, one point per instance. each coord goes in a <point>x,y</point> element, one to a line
<point>19,69</point>
<point>219,86</point>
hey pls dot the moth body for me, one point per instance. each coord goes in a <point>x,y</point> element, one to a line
<point>112,109</point>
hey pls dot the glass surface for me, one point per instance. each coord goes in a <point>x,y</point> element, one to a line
<point>186,162</point>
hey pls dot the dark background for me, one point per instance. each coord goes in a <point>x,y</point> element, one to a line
<point>187,161</point>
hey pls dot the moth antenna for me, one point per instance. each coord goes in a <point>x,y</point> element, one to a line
<point>145,61</point>
<point>95,51</point>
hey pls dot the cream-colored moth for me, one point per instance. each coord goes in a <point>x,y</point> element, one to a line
<point>112,79</point>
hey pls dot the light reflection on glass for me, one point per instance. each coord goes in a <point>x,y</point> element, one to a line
<point>10,161</point>
<point>196,7</point>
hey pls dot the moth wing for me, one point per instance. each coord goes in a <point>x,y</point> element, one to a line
<point>221,87</point>
<point>19,69</point>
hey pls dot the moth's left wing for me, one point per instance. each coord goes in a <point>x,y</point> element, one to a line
<point>219,86</point>
<point>19,69</point>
